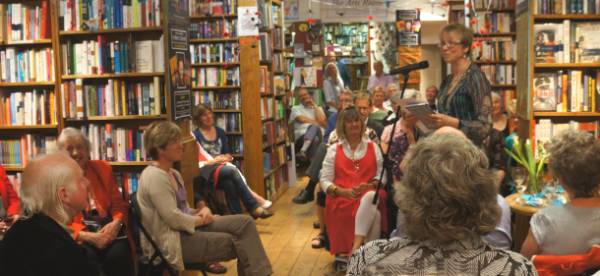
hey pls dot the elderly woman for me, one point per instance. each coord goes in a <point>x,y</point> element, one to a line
<point>214,161</point>
<point>10,205</point>
<point>101,226</point>
<point>445,217</point>
<point>350,173</point>
<point>54,190</point>
<point>572,228</point>
<point>184,234</point>
<point>464,101</point>
<point>333,85</point>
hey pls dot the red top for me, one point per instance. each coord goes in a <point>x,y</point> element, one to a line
<point>105,194</point>
<point>10,199</point>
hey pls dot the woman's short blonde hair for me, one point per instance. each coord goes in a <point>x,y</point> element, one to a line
<point>447,191</point>
<point>465,35</point>
<point>347,115</point>
<point>159,135</point>
<point>575,157</point>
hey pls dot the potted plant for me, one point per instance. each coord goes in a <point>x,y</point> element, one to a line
<point>525,157</point>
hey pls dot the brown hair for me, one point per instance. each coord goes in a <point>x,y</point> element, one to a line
<point>464,33</point>
<point>160,134</point>
<point>347,115</point>
<point>199,111</point>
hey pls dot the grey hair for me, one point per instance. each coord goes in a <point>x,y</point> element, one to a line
<point>71,132</point>
<point>42,179</point>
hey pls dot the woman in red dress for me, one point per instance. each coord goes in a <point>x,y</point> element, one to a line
<point>350,173</point>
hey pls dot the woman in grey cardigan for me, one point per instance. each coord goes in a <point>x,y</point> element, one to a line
<point>187,235</point>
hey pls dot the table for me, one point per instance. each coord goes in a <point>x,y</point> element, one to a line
<point>520,224</point>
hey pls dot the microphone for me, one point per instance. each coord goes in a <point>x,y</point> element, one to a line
<point>406,69</point>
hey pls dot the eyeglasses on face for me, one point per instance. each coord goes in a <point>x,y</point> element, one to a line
<point>448,44</point>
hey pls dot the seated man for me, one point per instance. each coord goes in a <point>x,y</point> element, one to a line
<point>53,191</point>
<point>308,120</point>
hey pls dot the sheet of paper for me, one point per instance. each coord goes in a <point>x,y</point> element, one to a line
<point>248,21</point>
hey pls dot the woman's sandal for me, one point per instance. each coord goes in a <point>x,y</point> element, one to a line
<point>216,268</point>
<point>319,241</point>
<point>261,213</point>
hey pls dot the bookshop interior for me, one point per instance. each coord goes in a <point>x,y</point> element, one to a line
<point>299,137</point>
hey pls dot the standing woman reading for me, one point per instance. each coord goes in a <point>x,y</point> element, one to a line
<point>464,99</point>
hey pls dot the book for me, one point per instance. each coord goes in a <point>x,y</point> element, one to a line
<point>549,45</point>
<point>545,87</point>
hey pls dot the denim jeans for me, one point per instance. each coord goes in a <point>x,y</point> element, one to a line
<point>232,183</point>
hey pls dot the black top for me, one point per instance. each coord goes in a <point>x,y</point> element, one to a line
<point>40,246</point>
<point>218,146</point>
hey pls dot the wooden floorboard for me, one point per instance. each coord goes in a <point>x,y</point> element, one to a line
<point>287,236</point>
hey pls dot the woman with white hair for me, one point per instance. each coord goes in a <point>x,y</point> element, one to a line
<point>101,226</point>
<point>333,85</point>
<point>53,191</point>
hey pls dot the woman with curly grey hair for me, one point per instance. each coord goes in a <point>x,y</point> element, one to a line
<point>571,228</point>
<point>448,204</point>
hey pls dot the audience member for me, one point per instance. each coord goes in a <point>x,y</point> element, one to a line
<point>574,158</point>
<point>333,85</point>
<point>364,104</point>
<point>379,111</point>
<point>214,160</point>
<point>431,97</point>
<point>102,226</point>
<point>445,217</point>
<point>494,143</point>
<point>185,234</point>
<point>391,89</point>
<point>308,120</point>
<point>464,101</point>
<point>10,205</point>
<point>53,191</point>
<point>350,173</point>
<point>379,78</point>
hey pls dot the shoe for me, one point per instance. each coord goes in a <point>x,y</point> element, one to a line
<point>319,241</point>
<point>316,224</point>
<point>303,197</point>
<point>216,268</point>
<point>261,213</point>
<point>267,204</point>
<point>301,156</point>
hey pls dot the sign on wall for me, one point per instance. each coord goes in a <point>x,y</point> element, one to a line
<point>179,83</point>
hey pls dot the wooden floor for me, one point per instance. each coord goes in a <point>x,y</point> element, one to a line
<point>286,237</point>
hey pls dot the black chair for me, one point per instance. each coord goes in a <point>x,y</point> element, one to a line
<point>149,268</point>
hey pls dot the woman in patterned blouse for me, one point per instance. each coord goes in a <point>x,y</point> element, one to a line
<point>448,204</point>
<point>464,100</point>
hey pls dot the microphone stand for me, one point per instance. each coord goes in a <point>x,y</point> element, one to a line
<point>386,162</point>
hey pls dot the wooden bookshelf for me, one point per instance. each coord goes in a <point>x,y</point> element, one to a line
<point>111,31</point>
<point>115,75</point>
<point>28,84</point>
<point>209,40</point>
<point>210,64</point>
<point>492,62</point>
<point>227,111</point>
<point>212,17</point>
<point>216,88</point>
<point>582,17</point>
<point>12,168</point>
<point>119,118</point>
<point>31,127</point>
<point>495,34</point>
<point>567,65</point>
<point>566,114</point>
<point>27,42</point>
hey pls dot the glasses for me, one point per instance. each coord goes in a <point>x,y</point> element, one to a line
<point>448,44</point>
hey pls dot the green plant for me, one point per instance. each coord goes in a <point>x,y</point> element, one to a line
<point>524,156</point>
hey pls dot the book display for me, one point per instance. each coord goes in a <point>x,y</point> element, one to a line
<point>346,39</point>
<point>563,61</point>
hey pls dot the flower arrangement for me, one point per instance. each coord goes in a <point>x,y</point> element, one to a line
<point>524,156</point>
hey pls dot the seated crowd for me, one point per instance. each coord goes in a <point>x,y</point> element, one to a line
<point>436,208</point>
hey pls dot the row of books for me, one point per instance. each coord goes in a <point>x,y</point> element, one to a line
<point>281,84</point>
<point>280,63</point>
<point>567,42</point>
<point>545,129</point>
<point>495,49</point>
<point>214,52</point>
<point>236,144</point>
<point>278,38</point>
<point>346,39</point>
<point>273,132</point>
<point>493,4</point>
<point>113,143</point>
<point>273,158</point>
<point>32,65</point>
<point>127,183</point>
<point>265,52</point>
<point>272,108</point>
<point>230,122</point>
<point>567,91</point>
<point>274,181</point>
<point>92,15</point>
<point>36,107</point>
<point>215,77</point>
<point>499,22</point>
<point>265,80</point>
<point>231,100</point>
<point>567,6</point>
<point>213,7</point>
<point>222,28</point>
<point>500,74</point>
<point>17,152</point>
<point>24,21</point>
<point>112,97</point>
<point>102,56</point>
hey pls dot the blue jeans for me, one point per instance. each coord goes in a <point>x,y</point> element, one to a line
<point>232,183</point>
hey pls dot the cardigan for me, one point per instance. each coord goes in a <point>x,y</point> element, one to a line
<point>10,199</point>
<point>41,246</point>
<point>160,215</point>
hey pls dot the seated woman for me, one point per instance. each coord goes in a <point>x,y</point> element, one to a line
<point>53,191</point>
<point>350,173</point>
<point>448,203</point>
<point>10,205</point>
<point>571,228</point>
<point>184,234</point>
<point>214,157</point>
<point>309,119</point>
<point>101,227</point>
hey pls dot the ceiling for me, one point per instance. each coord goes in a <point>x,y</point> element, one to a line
<point>383,9</point>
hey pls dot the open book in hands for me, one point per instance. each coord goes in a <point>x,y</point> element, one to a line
<point>422,111</point>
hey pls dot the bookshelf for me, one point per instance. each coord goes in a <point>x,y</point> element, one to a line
<point>346,39</point>
<point>560,89</point>
<point>29,107</point>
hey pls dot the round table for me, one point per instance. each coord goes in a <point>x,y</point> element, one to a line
<point>520,225</point>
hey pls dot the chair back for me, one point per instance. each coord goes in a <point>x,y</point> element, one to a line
<point>136,219</point>
<point>582,264</point>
